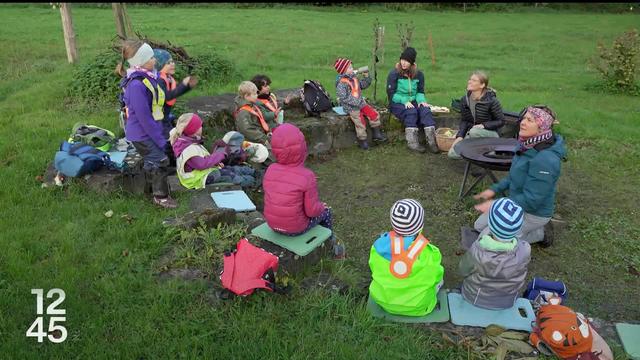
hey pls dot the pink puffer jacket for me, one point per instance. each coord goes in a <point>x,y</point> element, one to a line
<point>290,189</point>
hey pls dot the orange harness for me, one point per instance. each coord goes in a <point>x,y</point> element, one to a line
<point>256,111</point>
<point>355,86</point>
<point>401,260</point>
<point>171,85</point>
<point>271,104</point>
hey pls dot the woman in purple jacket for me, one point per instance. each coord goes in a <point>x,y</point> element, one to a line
<point>144,101</point>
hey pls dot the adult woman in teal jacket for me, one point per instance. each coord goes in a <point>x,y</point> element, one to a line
<point>532,179</point>
<point>407,102</point>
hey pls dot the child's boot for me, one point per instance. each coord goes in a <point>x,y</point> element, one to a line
<point>363,144</point>
<point>411,134</point>
<point>430,134</point>
<point>378,135</point>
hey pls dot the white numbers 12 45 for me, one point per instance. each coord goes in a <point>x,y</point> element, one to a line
<point>56,333</point>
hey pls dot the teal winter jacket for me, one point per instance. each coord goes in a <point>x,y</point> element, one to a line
<point>403,89</point>
<point>533,176</point>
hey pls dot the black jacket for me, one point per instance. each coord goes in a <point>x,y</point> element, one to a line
<point>488,112</point>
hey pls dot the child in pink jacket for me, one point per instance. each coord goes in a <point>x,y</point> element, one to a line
<point>291,203</point>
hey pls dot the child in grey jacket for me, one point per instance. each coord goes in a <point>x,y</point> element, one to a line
<point>495,266</point>
<point>349,94</point>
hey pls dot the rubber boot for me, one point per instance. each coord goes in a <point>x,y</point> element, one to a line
<point>411,134</point>
<point>363,144</point>
<point>430,134</point>
<point>378,135</point>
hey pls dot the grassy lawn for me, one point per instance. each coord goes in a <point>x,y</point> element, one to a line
<point>59,238</point>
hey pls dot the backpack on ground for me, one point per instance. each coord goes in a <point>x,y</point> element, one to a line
<point>249,268</point>
<point>99,138</point>
<point>560,331</point>
<point>539,291</point>
<point>315,98</point>
<point>78,159</point>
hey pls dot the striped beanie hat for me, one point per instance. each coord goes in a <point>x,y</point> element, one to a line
<point>407,217</point>
<point>505,219</point>
<point>341,65</point>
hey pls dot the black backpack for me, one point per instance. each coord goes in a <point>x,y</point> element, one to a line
<point>315,98</point>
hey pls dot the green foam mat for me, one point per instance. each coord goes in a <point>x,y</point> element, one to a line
<point>439,314</point>
<point>630,337</point>
<point>300,245</point>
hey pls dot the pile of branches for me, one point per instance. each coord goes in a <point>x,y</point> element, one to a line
<point>178,53</point>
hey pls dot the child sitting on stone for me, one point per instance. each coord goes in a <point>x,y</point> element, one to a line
<point>251,121</point>
<point>349,94</point>
<point>495,266</point>
<point>195,166</point>
<point>291,204</point>
<point>406,268</point>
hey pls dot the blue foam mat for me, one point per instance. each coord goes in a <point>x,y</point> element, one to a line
<point>117,157</point>
<point>464,313</point>
<point>339,110</point>
<point>234,199</point>
<point>301,244</point>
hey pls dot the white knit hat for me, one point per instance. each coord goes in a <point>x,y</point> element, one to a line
<point>407,217</point>
<point>144,54</point>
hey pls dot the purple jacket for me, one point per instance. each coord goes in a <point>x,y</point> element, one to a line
<point>140,124</point>
<point>196,162</point>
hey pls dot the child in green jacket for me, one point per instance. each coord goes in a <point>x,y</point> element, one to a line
<point>406,268</point>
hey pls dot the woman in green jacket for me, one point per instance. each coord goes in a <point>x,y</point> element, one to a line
<point>532,179</point>
<point>407,102</point>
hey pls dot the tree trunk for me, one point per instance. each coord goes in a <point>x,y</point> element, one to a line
<point>123,23</point>
<point>69,34</point>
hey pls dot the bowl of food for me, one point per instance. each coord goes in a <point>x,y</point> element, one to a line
<point>445,138</point>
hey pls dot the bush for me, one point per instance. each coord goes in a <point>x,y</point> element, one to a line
<point>618,65</point>
<point>95,83</point>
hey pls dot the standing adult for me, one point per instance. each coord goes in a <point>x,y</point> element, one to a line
<point>480,112</point>
<point>405,90</point>
<point>532,179</point>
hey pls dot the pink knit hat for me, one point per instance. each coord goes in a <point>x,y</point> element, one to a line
<point>341,65</point>
<point>194,125</point>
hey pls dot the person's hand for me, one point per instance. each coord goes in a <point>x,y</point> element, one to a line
<point>478,126</point>
<point>186,80</point>
<point>365,73</point>
<point>457,140</point>
<point>408,105</point>
<point>486,195</point>
<point>484,207</point>
<point>220,165</point>
<point>193,81</point>
<point>423,104</point>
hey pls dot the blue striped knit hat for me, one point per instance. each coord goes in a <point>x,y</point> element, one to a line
<point>407,217</point>
<point>505,219</point>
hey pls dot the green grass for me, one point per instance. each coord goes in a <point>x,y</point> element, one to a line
<point>117,308</point>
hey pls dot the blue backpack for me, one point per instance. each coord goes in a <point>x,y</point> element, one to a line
<point>540,290</point>
<point>78,159</point>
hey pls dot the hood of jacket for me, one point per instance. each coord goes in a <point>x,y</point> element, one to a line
<point>288,145</point>
<point>182,143</point>
<point>500,263</point>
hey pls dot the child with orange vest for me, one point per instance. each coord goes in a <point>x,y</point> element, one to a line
<point>251,121</point>
<point>269,99</point>
<point>166,69</point>
<point>349,94</point>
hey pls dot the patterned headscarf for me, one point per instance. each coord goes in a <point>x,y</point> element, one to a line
<point>544,121</point>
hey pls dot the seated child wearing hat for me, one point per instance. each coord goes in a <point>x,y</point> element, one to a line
<point>406,268</point>
<point>495,266</point>
<point>251,121</point>
<point>349,94</point>
<point>291,204</point>
<point>195,166</point>
<point>268,99</point>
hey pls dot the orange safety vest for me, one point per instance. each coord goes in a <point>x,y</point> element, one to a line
<point>355,86</point>
<point>171,85</point>
<point>271,103</point>
<point>401,260</point>
<point>255,111</point>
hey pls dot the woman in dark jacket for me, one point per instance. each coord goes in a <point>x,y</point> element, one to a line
<point>480,114</point>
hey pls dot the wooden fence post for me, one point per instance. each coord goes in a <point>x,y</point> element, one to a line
<point>69,34</point>
<point>123,23</point>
